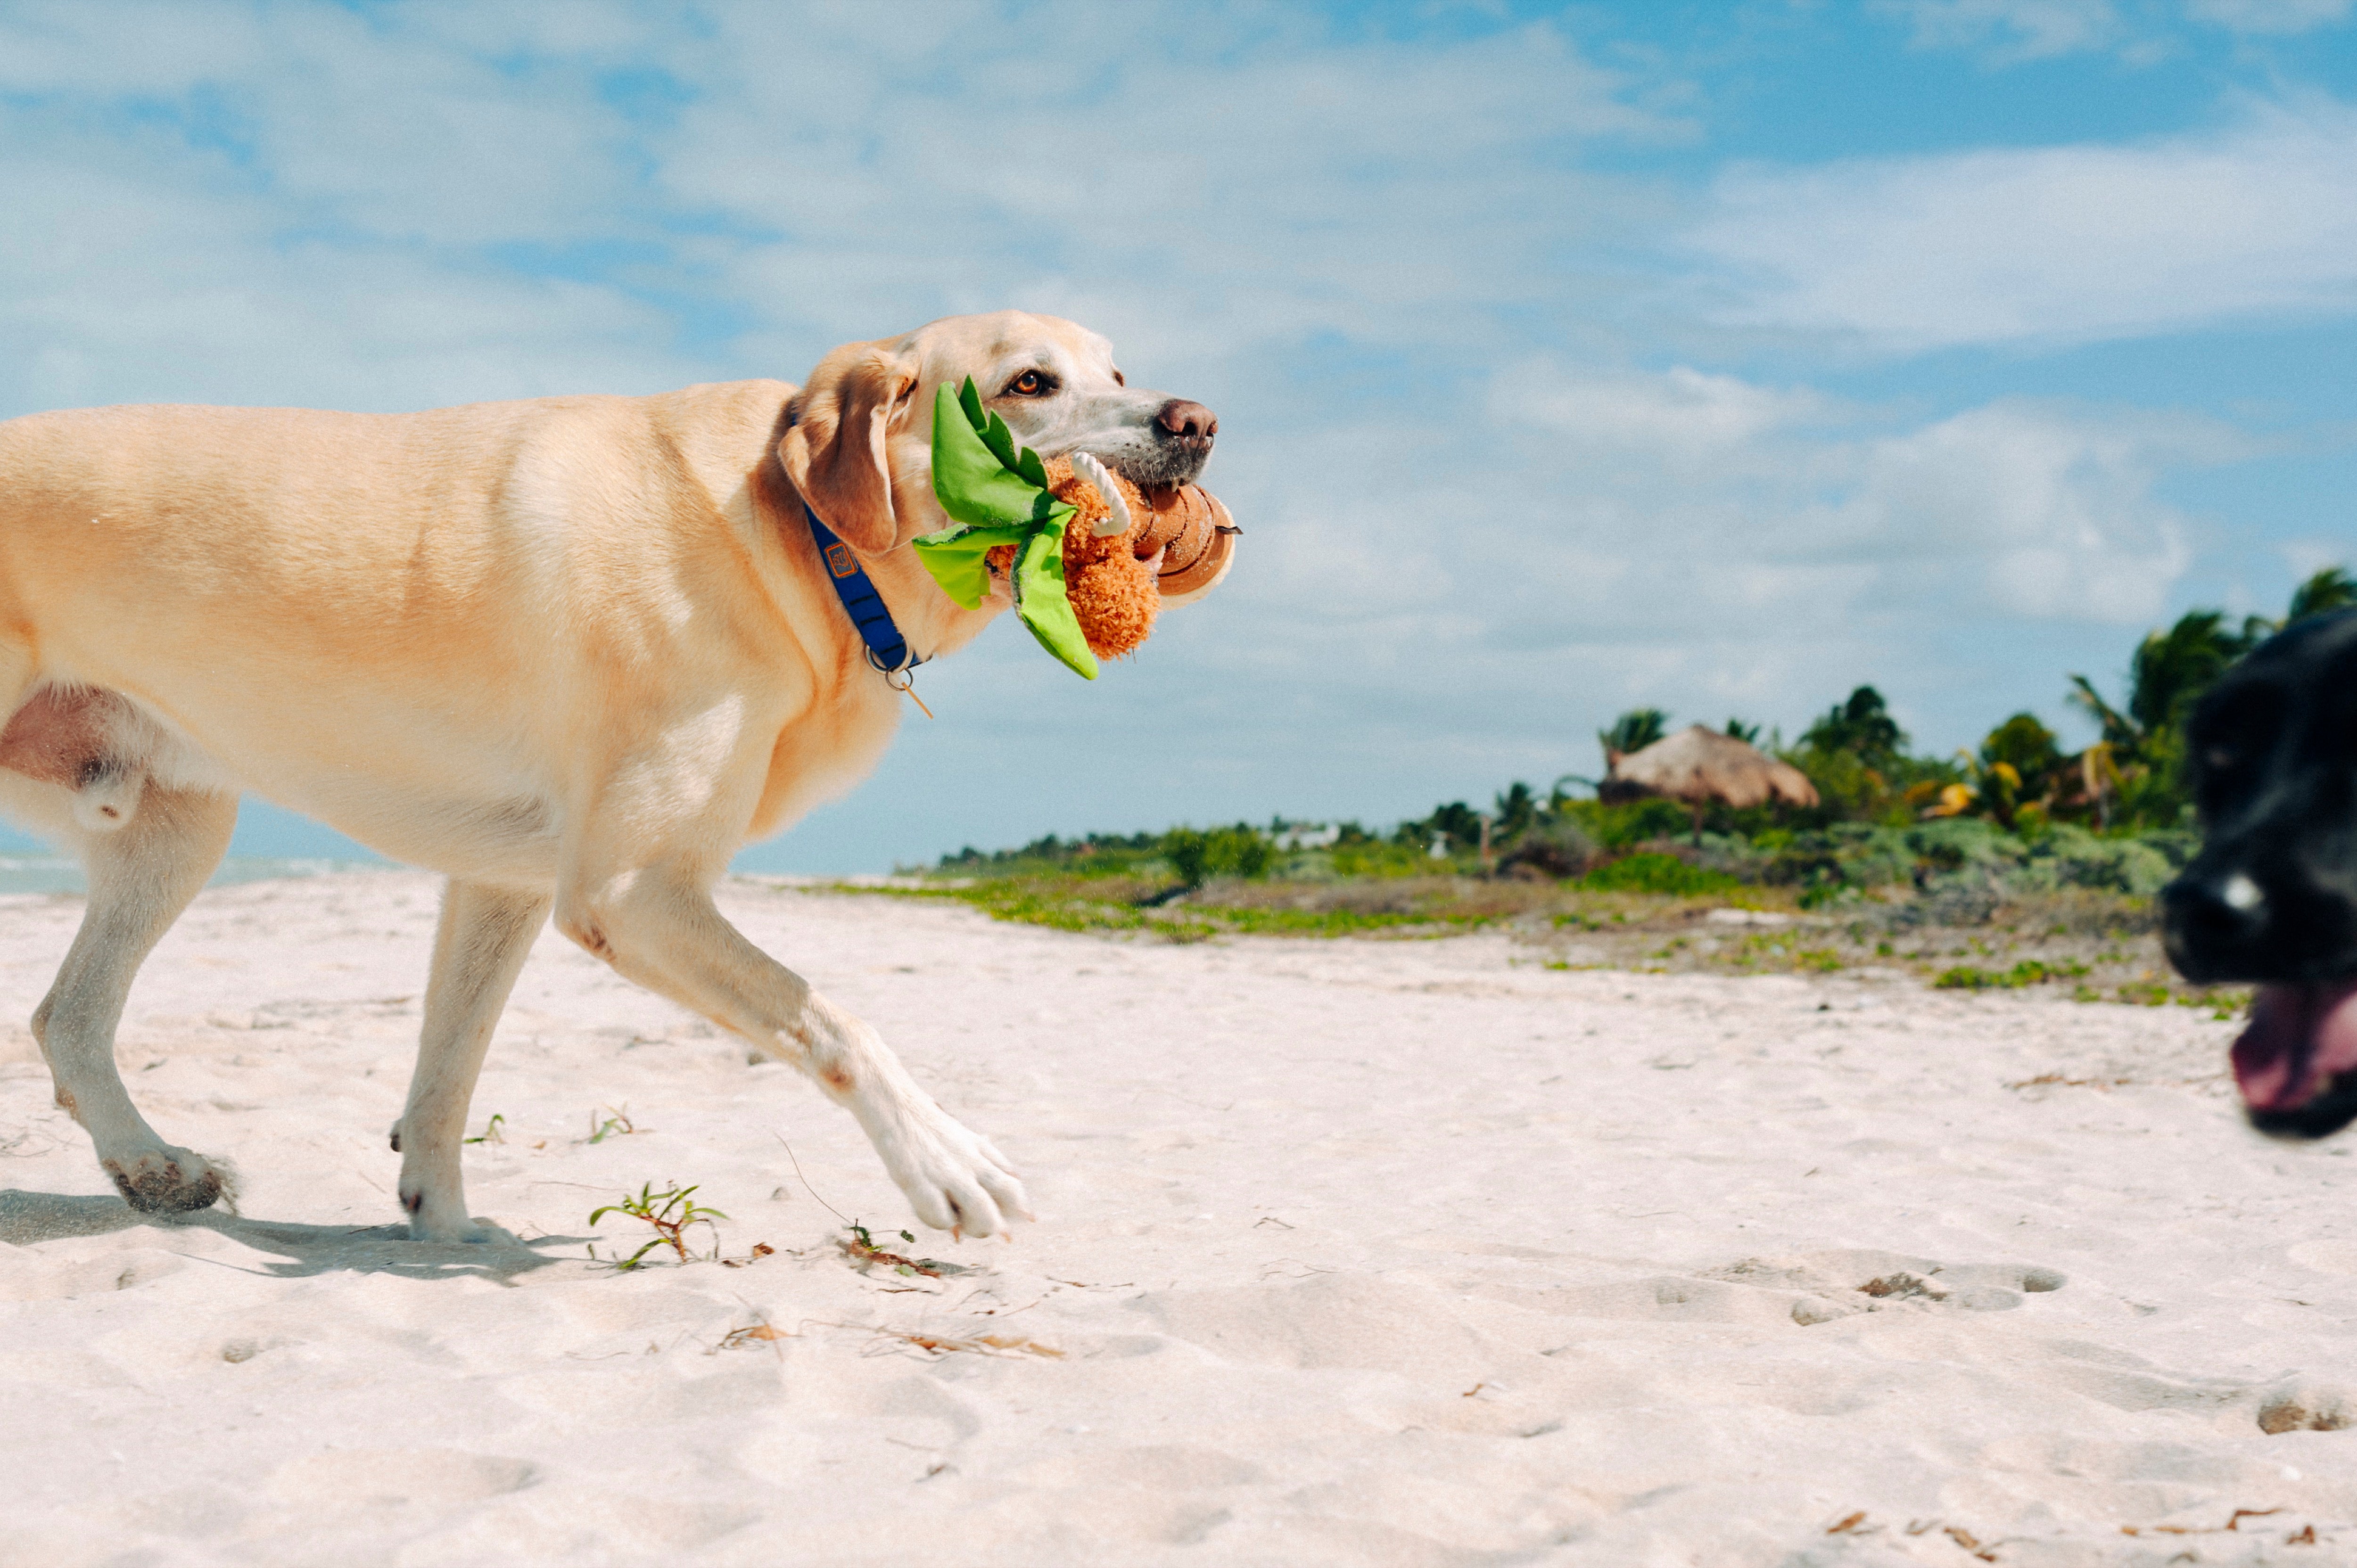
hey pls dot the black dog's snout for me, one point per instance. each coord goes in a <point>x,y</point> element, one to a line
<point>1189,424</point>
<point>2215,924</point>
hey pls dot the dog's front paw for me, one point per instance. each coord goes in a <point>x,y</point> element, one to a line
<point>169,1181</point>
<point>954,1179</point>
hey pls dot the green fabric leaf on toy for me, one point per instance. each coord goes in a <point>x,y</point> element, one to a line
<point>997,494</point>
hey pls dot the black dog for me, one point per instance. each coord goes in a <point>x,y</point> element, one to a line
<point>2271,753</point>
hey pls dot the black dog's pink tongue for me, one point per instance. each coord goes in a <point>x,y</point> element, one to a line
<point>2300,1037</point>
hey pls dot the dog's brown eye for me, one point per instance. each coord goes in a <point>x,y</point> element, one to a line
<point>1030,383</point>
<point>1119,380</point>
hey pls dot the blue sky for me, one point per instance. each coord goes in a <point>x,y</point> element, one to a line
<point>1717,357</point>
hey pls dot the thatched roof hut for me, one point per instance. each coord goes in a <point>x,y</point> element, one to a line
<point>1700,766</point>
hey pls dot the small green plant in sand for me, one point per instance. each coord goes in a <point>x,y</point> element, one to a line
<point>860,1247</point>
<point>491,1134</point>
<point>615,1123</point>
<point>672,1213</point>
<point>858,1243</point>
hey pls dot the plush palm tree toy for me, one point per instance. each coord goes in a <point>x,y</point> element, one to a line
<point>1090,556</point>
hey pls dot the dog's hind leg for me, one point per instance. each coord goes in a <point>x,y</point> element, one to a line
<point>141,877</point>
<point>479,948</point>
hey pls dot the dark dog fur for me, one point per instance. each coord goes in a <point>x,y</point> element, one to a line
<point>2271,755</point>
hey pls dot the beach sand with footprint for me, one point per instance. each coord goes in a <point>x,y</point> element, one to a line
<point>1357,1251</point>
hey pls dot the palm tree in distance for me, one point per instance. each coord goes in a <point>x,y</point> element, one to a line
<point>2325,590</point>
<point>1862,726</point>
<point>2173,668</point>
<point>2170,671</point>
<point>1517,809</point>
<point>1632,731</point>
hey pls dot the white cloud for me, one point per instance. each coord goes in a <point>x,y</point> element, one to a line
<point>1617,536</point>
<point>2047,515</point>
<point>2269,16</point>
<point>1200,199</point>
<point>1770,498</point>
<point>2046,244</point>
<point>290,205</point>
<point>2007,30</point>
<point>252,175</point>
<point>2308,556</point>
<point>1681,416</point>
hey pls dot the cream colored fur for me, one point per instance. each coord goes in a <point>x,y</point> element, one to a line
<point>571,652</point>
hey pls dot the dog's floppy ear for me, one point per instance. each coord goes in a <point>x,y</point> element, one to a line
<point>835,452</point>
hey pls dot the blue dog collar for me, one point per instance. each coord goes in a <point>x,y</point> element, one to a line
<point>887,649</point>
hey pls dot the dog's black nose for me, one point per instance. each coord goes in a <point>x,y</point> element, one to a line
<point>2214,924</point>
<point>1188,421</point>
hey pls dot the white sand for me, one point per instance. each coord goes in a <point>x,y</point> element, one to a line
<point>1397,1252</point>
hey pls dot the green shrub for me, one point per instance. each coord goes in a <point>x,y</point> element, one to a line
<point>1380,859</point>
<point>1094,854</point>
<point>2074,858</point>
<point>2029,972</point>
<point>1553,846</point>
<point>1197,857</point>
<point>1628,822</point>
<point>1652,872</point>
<point>1958,844</point>
<point>1819,894</point>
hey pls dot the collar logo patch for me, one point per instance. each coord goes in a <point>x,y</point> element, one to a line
<point>839,559</point>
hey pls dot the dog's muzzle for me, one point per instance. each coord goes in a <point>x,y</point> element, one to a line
<point>2229,920</point>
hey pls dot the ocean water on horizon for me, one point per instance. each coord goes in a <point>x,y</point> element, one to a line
<point>62,873</point>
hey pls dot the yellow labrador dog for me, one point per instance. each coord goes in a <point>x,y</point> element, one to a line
<point>571,652</point>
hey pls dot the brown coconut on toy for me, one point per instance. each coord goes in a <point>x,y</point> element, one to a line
<point>1129,552</point>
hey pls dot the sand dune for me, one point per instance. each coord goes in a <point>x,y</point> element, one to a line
<point>1397,1252</point>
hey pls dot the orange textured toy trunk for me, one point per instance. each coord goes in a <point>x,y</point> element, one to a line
<point>1115,581</point>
